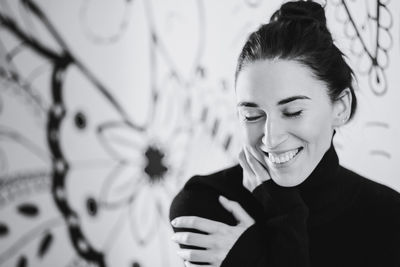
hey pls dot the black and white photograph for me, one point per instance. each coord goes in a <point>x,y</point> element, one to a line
<point>184,133</point>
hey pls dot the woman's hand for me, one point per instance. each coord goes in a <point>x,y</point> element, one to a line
<point>254,173</point>
<point>219,239</point>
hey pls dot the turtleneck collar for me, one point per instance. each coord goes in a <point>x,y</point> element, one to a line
<point>324,173</point>
<point>324,191</point>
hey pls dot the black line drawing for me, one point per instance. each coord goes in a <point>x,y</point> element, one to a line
<point>382,126</point>
<point>142,168</point>
<point>371,40</point>
<point>95,34</point>
<point>154,160</point>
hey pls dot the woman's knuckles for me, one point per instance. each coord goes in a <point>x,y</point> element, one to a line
<point>225,231</point>
<point>214,244</point>
<point>185,238</point>
<point>192,255</point>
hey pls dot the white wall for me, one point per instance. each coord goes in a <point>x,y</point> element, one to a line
<point>157,77</point>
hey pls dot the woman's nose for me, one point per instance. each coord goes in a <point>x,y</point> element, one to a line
<point>274,134</point>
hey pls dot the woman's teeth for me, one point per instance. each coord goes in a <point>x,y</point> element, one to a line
<point>284,157</point>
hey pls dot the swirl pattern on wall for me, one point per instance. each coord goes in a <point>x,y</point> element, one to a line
<point>142,164</point>
<point>90,159</point>
<point>371,39</point>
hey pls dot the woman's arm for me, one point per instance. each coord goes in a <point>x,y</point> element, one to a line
<point>213,219</point>
<point>280,239</point>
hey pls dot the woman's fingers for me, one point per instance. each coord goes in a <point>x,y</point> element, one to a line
<point>196,255</point>
<point>254,179</point>
<point>193,239</point>
<point>249,179</point>
<point>189,264</point>
<point>260,172</point>
<point>243,162</point>
<point>198,223</point>
<point>219,240</point>
<point>237,211</point>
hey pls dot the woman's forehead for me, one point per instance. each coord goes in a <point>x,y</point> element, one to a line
<point>273,80</point>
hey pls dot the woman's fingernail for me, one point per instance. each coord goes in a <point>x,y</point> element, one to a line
<point>222,198</point>
<point>173,222</point>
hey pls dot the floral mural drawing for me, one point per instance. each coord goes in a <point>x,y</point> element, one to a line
<point>370,37</point>
<point>108,107</point>
<point>141,164</point>
<point>368,26</point>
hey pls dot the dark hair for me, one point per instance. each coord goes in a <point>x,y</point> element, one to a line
<point>297,31</point>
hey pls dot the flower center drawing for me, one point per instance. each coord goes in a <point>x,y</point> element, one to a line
<point>155,167</point>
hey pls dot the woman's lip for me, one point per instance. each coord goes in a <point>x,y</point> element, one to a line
<point>285,164</point>
<point>282,151</point>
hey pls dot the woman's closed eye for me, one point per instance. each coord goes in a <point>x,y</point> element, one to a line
<point>293,114</point>
<point>252,118</point>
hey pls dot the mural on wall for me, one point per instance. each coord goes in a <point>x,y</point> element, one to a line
<point>90,163</point>
<point>370,38</point>
<point>370,41</point>
<point>140,166</point>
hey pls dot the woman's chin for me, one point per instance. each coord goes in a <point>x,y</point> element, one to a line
<point>284,181</point>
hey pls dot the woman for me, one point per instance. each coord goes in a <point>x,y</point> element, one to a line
<point>289,203</point>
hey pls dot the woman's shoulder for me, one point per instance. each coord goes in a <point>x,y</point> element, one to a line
<point>223,180</point>
<point>199,195</point>
<point>370,186</point>
<point>372,194</point>
<point>375,216</point>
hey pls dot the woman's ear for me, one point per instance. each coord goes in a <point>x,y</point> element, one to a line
<point>342,108</point>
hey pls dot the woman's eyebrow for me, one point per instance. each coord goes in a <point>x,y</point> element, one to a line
<point>292,98</point>
<point>247,104</point>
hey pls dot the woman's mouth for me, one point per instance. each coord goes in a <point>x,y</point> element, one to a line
<point>282,158</point>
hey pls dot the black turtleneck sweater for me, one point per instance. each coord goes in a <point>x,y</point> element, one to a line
<point>334,218</point>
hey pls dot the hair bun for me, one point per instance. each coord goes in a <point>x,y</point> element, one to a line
<point>300,10</point>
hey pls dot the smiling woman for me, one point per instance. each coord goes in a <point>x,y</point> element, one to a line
<point>289,202</point>
<point>288,123</point>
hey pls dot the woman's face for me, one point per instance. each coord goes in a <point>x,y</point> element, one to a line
<point>286,116</point>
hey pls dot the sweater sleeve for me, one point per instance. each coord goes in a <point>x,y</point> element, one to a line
<point>279,239</point>
<point>200,200</point>
<point>285,225</point>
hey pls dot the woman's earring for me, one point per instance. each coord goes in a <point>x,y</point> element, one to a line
<point>344,118</point>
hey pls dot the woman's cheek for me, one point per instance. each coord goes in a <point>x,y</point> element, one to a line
<point>315,132</point>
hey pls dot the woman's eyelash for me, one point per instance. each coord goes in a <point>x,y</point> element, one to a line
<point>254,118</point>
<point>287,114</point>
<point>293,114</point>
